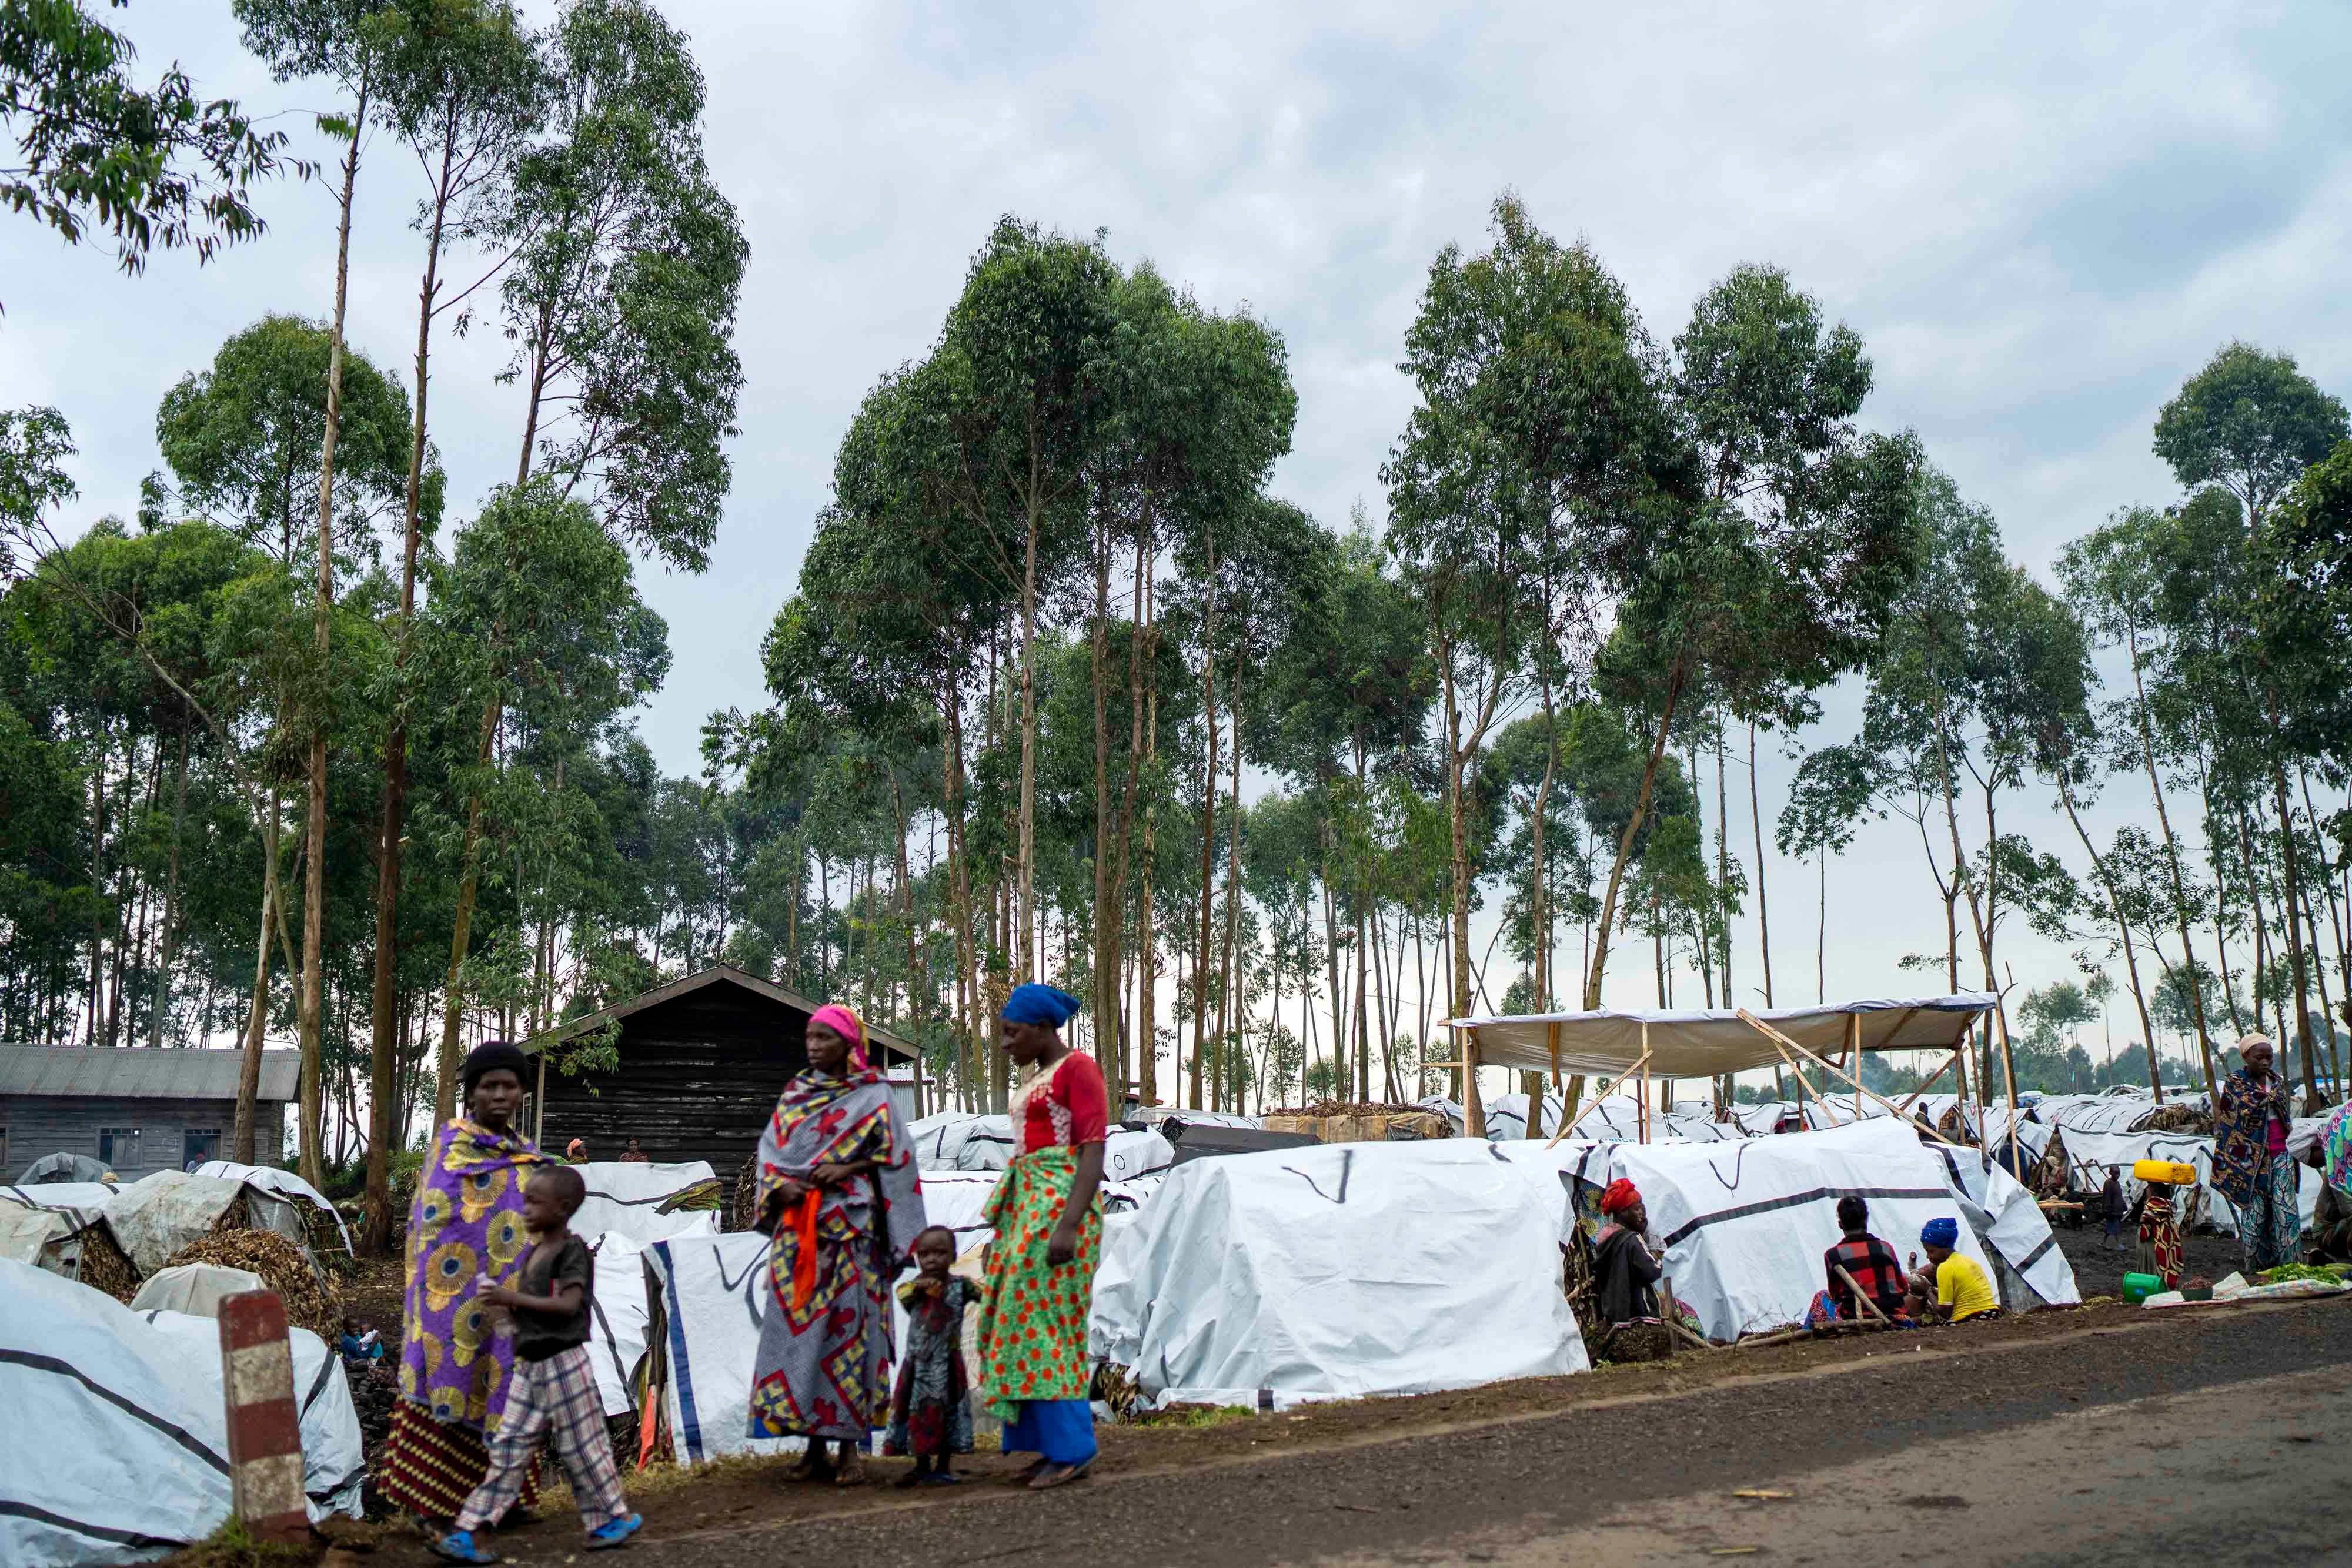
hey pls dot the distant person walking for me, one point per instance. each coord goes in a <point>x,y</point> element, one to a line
<point>1033,1367</point>
<point>839,1194</point>
<point>467,1234</point>
<point>2251,1168</point>
<point>2113,1209</point>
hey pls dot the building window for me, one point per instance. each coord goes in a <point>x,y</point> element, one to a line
<point>117,1148</point>
<point>199,1146</point>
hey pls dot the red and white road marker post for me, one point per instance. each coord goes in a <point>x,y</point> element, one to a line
<point>265,1435</point>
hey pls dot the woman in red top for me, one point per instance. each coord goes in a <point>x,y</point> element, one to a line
<point>1041,1263</point>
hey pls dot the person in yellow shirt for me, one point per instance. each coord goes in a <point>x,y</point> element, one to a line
<point>1962,1292</point>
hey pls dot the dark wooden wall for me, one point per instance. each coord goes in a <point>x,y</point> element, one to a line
<point>698,1080</point>
<point>38,1124</point>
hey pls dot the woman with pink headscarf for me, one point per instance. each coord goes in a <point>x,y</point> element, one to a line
<point>838,1192</point>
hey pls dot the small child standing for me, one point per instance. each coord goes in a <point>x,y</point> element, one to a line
<point>554,1386</point>
<point>930,1413</point>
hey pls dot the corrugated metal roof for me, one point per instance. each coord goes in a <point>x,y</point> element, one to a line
<point>139,1073</point>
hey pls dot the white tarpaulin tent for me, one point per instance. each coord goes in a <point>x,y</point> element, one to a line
<point>42,1225</point>
<point>2092,1155</point>
<point>627,1198</point>
<point>1700,1044</point>
<point>335,1465</point>
<point>153,1219</point>
<point>616,1328</point>
<point>713,1292</point>
<point>116,1448</point>
<point>193,1290</point>
<point>1337,1272</point>
<point>1744,1224</point>
<point>283,1184</point>
<point>959,1141</point>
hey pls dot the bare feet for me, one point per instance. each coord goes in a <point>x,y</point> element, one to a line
<point>851,1470</point>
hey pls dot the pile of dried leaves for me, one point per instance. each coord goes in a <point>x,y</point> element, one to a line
<point>310,1302</point>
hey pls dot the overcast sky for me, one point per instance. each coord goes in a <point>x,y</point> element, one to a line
<point>2040,218</point>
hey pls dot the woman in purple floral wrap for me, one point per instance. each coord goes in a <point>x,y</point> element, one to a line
<point>465,1234</point>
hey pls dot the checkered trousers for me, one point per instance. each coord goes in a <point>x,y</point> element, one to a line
<point>556,1395</point>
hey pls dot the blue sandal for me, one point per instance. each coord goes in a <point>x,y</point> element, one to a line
<point>457,1546</point>
<point>604,1537</point>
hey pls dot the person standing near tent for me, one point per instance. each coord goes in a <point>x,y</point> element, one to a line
<point>466,1235</point>
<point>1625,1272</point>
<point>1033,1368</point>
<point>2113,1208</point>
<point>2251,1168</point>
<point>634,1155</point>
<point>839,1192</point>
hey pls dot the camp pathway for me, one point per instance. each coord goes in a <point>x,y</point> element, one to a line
<point>2079,1447</point>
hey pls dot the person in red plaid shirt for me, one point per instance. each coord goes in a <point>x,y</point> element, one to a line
<point>1871,1262</point>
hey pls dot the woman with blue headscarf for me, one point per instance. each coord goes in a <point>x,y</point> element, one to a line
<point>1041,1263</point>
<point>1952,1286</point>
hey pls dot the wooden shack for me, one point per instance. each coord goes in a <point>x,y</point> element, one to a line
<point>135,1109</point>
<point>702,1061</point>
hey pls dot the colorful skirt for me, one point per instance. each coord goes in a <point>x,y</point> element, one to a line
<point>2270,1225</point>
<point>1032,1316</point>
<point>429,1467</point>
<point>823,1367</point>
<point>2160,1251</point>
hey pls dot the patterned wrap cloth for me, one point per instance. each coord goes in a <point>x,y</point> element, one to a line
<point>930,1413</point>
<point>2336,1150</point>
<point>464,1234</point>
<point>823,1369</point>
<point>2259,1184</point>
<point>1032,1316</point>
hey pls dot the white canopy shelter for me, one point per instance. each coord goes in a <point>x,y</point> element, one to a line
<point>1701,1044</point>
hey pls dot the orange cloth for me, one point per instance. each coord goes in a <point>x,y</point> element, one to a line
<point>801,1218</point>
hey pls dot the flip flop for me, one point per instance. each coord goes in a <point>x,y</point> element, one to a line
<point>1061,1475</point>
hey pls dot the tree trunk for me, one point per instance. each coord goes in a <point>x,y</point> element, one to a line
<point>1763,915</point>
<point>168,945</point>
<point>248,1080</point>
<point>2172,862</point>
<point>383,1020</point>
<point>1208,824</point>
<point>2287,848</point>
<point>1608,916</point>
<point>461,930</point>
<point>2123,928</point>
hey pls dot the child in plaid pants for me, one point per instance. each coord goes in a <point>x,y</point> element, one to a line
<point>554,1388</point>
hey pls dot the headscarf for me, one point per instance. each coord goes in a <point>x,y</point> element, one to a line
<point>849,1027</point>
<point>464,1234</point>
<point>1942,1232</point>
<point>1619,1196</point>
<point>1036,1004</point>
<point>575,1148</point>
<point>489,1057</point>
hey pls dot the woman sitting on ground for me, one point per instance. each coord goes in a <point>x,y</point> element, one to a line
<point>1962,1290</point>
<point>1625,1272</point>
<point>1868,1263</point>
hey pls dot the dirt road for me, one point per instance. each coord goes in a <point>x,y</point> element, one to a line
<point>2129,1437</point>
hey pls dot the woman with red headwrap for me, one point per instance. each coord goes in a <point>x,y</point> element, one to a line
<point>838,1190</point>
<point>1624,1271</point>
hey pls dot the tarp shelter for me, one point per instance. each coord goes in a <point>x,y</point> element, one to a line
<point>961,1141</point>
<point>1744,1224</point>
<point>1704,1044</point>
<point>43,1225</point>
<point>157,1216</point>
<point>195,1290</point>
<point>1338,1271</point>
<point>116,1448</point>
<point>281,1183</point>
<point>629,1199</point>
<point>616,1325</point>
<point>63,1167</point>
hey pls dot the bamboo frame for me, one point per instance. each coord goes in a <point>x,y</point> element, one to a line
<point>1641,1123</point>
<point>2008,1084</point>
<point>1853,1058</point>
<point>1917,1094</point>
<point>1590,1105</point>
<point>1785,1045</point>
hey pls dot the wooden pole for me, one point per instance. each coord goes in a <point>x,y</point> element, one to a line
<point>2009,1082</point>
<point>1642,1121</point>
<point>1786,1045</point>
<point>1853,1058</point>
<point>1855,1286</point>
<point>1590,1105</point>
